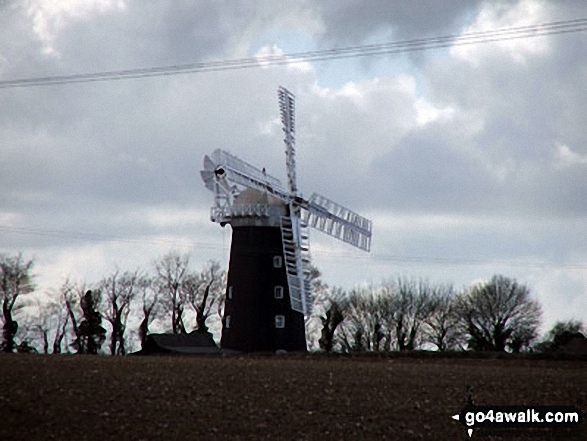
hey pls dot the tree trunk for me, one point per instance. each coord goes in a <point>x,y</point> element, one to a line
<point>9,329</point>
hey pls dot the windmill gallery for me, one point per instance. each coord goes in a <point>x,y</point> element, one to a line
<point>268,290</point>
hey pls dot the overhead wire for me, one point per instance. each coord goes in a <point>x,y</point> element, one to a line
<point>100,236</point>
<point>382,257</point>
<point>420,44</point>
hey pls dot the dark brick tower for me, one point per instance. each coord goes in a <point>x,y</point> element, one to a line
<point>257,311</point>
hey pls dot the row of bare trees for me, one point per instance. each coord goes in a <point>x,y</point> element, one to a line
<point>119,307</point>
<point>407,314</point>
<point>401,314</point>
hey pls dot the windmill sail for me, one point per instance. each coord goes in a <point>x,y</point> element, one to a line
<point>222,164</point>
<point>296,251</point>
<point>287,109</point>
<point>331,218</point>
<point>294,234</point>
<point>243,171</point>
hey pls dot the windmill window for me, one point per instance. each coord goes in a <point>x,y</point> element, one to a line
<point>278,292</point>
<point>227,322</point>
<point>277,261</point>
<point>229,293</point>
<point>280,321</point>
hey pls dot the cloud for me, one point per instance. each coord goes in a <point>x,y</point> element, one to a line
<point>503,15</point>
<point>523,113</point>
<point>49,17</point>
<point>569,158</point>
<point>349,20</point>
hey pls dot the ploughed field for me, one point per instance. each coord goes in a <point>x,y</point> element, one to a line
<point>279,397</point>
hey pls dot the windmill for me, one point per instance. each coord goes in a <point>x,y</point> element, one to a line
<point>269,288</point>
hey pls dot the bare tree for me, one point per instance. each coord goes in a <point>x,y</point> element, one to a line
<point>149,302</point>
<point>395,315</point>
<point>386,317</point>
<point>86,319</point>
<point>413,303</point>
<point>499,314</point>
<point>44,324</point>
<point>203,290</point>
<point>92,334</point>
<point>171,271</point>
<point>118,291</point>
<point>71,298</point>
<point>60,330</point>
<point>321,303</point>
<point>334,308</point>
<point>366,323</point>
<point>51,325</point>
<point>442,325</point>
<point>15,279</point>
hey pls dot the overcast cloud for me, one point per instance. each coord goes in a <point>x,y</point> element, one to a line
<point>471,160</point>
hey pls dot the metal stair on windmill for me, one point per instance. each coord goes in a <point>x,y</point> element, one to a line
<point>247,197</point>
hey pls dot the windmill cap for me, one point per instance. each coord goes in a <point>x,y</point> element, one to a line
<point>250,196</point>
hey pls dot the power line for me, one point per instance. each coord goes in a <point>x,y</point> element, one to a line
<point>504,34</point>
<point>101,236</point>
<point>382,257</point>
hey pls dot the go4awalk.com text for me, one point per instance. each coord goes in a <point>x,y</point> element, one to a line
<point>514,419</point>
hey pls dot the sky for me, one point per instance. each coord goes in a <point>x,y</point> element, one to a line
<point>470,160</point>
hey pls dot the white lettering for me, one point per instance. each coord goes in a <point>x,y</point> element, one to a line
<point>510,417</point>
<point>470,418</point>
<point>536,417</point>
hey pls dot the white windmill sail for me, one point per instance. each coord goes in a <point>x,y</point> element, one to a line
<point>231,162</point>
<point>293,232</point>
<point>337,221</point>
<point>226,175</point>
<point>287,110</point>
<point>296,250</point>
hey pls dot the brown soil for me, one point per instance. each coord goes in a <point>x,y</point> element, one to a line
<point>268,397</point>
